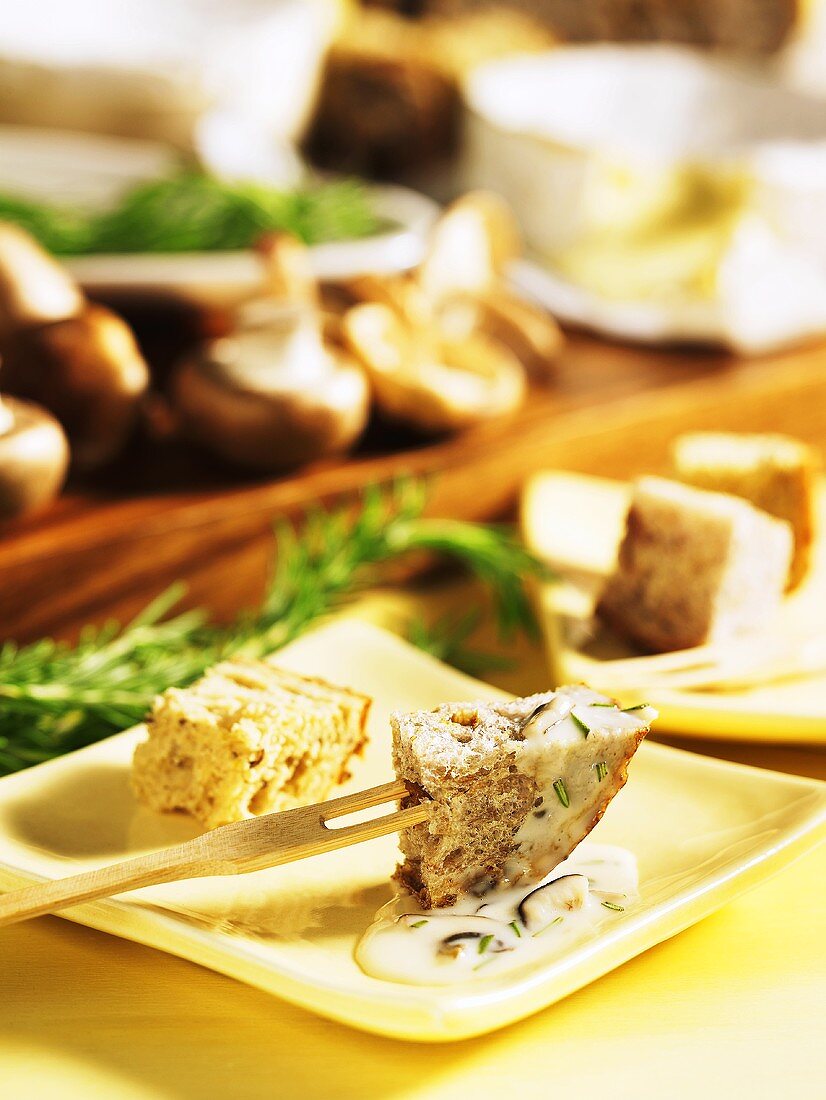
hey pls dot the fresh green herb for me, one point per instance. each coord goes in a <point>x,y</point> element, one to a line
<point>562,792</point>
<point>485,943</point>
<point>556,920</point>
<point>613,706</point>
<point>419,924</point>
<point>639,706</point>
<point>515,927</point>
<point>583,725</point>
<point>484,962</point>
<point>56,697</point>
<point>193,212</point>
<point>447,639</point>
<point>601,769</point>
<point>614,906</point>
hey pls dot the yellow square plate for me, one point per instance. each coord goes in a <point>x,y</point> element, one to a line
<point>703,831</point>
<point>575,522</point>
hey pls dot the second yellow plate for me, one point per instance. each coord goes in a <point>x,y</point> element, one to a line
<point>575,522</point>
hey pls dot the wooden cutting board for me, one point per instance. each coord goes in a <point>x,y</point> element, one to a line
<point>165,513</point>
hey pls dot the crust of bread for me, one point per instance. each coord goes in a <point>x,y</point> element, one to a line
<point>775,473</point>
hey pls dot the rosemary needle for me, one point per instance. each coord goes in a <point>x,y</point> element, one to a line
<point>56,697</point>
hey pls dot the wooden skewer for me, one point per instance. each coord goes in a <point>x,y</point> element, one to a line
<point>234,849</point>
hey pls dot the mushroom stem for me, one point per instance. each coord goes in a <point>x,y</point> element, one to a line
<point>289,272</point>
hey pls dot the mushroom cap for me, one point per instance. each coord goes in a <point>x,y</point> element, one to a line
<point>529,331</point>
<point>459,289</point>
<point>34,458</point>
<point>470,247</point>
<point>435,385</point>
<point>270,420</point>
<point>34,289</point>
<point>88,371</point>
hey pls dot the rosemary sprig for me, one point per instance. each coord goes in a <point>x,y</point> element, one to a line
<point>447,639</point>
<point>56,697</point>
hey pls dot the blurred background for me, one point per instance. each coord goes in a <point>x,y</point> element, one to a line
<point>186,377</point>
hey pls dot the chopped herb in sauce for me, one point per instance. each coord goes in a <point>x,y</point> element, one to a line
<point>639,706</point>
<point>562,792</point>
<point>601,770</point>
<point>583,725</point>
<point>515,928</point>
<point>419,924</point>
<point>485,943</point>
<point>484,962</point>
<point>556,920</point>
<point>614,906</point>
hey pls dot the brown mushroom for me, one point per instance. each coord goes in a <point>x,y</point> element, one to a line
<point>34,457</point>
<point>80,361</point>
<point>470,247</point>
<point>88,371</point>
<point>530,333</point>
<point>460,287</point>
<point>432,384</point>
<point>276,393</point>
<point>34,289</point>
<point>272,397</point>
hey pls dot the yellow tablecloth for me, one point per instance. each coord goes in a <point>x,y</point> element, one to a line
<point>735,1006</point>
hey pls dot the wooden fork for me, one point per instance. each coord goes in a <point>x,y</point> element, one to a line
<point>235,849</point>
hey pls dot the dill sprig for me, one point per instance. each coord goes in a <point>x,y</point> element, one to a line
<point>56,697</point>
<point>194,212</point>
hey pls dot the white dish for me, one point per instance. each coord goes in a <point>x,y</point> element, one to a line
<point>223,277</point>
<point>671,197</point>
<point>89,171</point>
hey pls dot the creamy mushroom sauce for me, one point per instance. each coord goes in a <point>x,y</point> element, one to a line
<point>574,747</point>
<point>502,928</point>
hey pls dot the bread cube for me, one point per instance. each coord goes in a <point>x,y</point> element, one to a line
<point>248,738</point>
<point>694,567</point>
<point>511,787</point>
<point>775,472</point>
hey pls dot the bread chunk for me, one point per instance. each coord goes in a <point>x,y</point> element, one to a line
<point>248,738</point>
<point>512,787</point>
<point>774,472</point>
<point>694,567</point>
